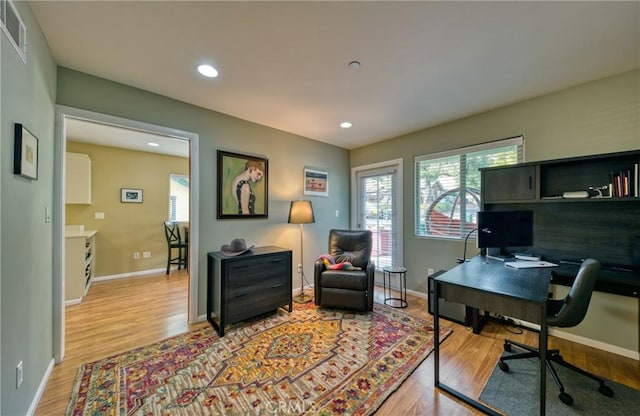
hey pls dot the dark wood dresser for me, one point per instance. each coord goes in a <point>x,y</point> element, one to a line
<point>244,286</point>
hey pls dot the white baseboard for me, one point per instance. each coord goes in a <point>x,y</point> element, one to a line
<point>72,302</point>
<point>41,387</point>
<point>140,273</point>
<point>614,349</point>
<point>596,344</point>
<point>417,294</point>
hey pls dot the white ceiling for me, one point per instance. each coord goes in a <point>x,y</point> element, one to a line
<point>85,131</point>
<point>285,64</point>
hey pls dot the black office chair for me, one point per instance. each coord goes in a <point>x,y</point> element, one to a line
<point>564,313</point>
<point>172,234</point>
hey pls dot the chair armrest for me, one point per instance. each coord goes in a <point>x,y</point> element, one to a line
<point>318,268</point>
<point>371,269</point>
<point>371,277</point>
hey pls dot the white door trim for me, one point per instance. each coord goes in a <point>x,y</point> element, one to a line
<point>59,212</point>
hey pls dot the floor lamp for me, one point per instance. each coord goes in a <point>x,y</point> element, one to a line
<point>301,212</point>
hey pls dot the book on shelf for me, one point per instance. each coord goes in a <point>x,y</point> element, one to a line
<point>626,182</point>
<point>636,180</point>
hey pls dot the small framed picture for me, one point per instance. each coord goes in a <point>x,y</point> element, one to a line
<point>130,195</point>
<point>316,182</point>
<point>25,153</point>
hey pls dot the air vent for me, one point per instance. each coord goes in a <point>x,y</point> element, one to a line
<point>13,27</point>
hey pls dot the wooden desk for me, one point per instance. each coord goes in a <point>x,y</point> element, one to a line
<point>488,285</point>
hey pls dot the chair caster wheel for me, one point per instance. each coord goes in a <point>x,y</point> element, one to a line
<point>507,347</point>
<point>605,390</point>
<point>503,366</point>
<point>566,399</point>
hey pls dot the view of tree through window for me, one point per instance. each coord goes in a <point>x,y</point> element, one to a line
<point>448,186</point>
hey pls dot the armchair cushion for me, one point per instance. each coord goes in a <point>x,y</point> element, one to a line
<point>350,245</point>
<point>344,279</point>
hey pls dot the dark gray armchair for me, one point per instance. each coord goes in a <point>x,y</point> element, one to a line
<point>348,289</point>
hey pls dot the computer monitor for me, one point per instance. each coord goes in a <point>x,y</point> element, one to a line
<point>505,229</point>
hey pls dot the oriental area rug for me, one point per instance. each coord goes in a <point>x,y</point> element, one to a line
<point>311,361</point>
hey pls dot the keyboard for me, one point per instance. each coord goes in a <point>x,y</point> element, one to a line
<point>528,264</point>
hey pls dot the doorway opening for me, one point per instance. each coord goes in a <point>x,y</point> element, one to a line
<point>65,117</point>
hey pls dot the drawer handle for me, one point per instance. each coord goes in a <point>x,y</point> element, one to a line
<point>241,266</point>
<point>277,285</point>
<point>239,295</point>
<point>276,260</point>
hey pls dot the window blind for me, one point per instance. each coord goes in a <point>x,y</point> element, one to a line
<point>447,185</point>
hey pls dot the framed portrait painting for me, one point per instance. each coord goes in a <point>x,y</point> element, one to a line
<point>242,186</point>
<point>316,182</point>
<point>25,153</point>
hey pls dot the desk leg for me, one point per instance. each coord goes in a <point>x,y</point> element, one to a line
<point>542,346</point>
<point>477,320</point>
<point>436,360</point>
<point>436,335</point>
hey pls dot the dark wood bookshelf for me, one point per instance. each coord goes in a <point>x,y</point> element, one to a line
<point>571,229</point>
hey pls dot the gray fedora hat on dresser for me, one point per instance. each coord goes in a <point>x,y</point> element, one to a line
<point>237,247</point>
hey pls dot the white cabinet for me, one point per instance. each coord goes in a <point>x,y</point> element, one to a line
<point>80,254</point>
<point>77,179</point>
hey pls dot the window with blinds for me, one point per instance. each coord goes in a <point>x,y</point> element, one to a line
<point>178,197</point>
<point>447,186</point>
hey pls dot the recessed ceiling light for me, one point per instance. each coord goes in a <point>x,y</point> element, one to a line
<point>354,65</point>
<point>345,124</point>
<point>208,71</point>
<point>152,144</point>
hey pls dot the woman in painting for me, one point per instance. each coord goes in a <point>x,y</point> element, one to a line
<point>241,187</point>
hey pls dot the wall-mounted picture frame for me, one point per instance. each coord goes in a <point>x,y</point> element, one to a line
<point>243,186</point>
<point>25,153</point>
<point>131,195</point>
<point>316,182</point>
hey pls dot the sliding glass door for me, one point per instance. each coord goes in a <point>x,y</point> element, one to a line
<point>378,203</point>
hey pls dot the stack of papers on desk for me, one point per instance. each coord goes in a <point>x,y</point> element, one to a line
<point>528,264</point>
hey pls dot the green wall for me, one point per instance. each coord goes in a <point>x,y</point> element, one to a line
<point>28,97</point>
<point>598,117</point>
<point>288,154</point>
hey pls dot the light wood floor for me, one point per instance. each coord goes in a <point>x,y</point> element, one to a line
<point>123,314</point>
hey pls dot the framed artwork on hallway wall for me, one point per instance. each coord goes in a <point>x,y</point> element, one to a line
<point>25,153</point>
<point>242,186</point>
<point>131,195</point>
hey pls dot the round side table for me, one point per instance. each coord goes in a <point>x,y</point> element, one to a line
<point>401,272</point>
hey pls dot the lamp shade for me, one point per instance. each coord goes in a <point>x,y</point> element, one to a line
<point>301,212</point>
